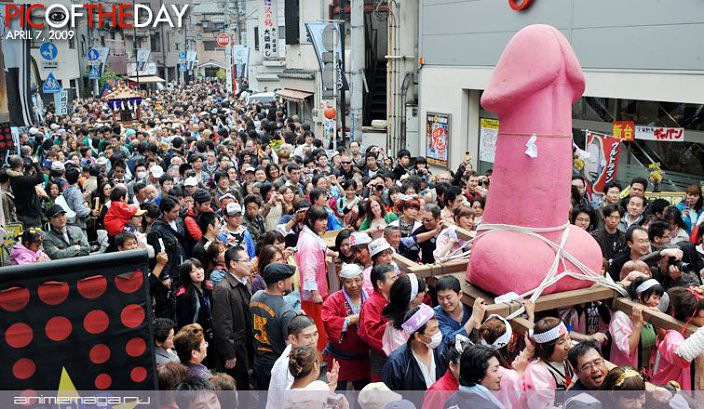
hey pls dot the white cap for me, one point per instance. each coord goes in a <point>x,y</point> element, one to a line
<point>233,209</point>
<point>248,168</point>
<point>191,181</point>
<point>54,127</point>
<point>376,396</point>
<point>157,171</point>
<point>58,166</point>
<point>359,239</point>
<point>378,245</point>
<point>33,131</point>
<point>350,271</point>
<point>102,161</point>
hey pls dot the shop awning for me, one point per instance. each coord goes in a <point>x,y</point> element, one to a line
<point>293,94</point>
<point>149,79</point>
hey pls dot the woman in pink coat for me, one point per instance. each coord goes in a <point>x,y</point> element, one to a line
<point>310,259</point>
<point>29,249</point>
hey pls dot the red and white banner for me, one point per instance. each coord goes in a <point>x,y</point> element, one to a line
<point>659,133</point>
<point>601,164</point>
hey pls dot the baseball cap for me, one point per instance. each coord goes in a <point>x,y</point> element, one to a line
<point>57,166</point>
<point>378,245</point>
<point>190,182</point>
<point>102,161</point>
<point>277,271</point>
<point>376,396</point>
<point>359,239</point>
<point>233,209</point>
<point>248,169</point>
<point>55,211</point>
<point>157,171</point>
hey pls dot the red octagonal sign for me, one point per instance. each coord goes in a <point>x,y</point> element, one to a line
<point>222,40</point>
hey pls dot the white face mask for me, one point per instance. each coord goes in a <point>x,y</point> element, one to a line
<point>141,175</point>
<point>435,340</point>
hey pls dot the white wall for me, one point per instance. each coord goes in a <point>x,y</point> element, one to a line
<point>446,89</point>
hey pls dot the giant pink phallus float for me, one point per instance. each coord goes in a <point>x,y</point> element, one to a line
<point>536,81</point>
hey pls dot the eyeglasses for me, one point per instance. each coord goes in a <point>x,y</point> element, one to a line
<point>346,163</point>
<point>591,365</point>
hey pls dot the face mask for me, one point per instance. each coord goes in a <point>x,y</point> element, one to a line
<point>435,340</point>
<point>141,175</point>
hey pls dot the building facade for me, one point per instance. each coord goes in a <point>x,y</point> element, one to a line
<point>641,60</point>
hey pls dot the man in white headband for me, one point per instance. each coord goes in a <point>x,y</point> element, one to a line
<point>340,315</point>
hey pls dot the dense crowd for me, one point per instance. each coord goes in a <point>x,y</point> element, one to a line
<point>234,204</point>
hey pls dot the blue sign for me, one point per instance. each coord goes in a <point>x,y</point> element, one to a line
<point>48,51</point>
<point>94,74</point>
<point>93,54</point>
<point>182,68</point>
<point>51,85</point>
<point>182,55</point>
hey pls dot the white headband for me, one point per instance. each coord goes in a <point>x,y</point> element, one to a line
<point>549,335</point>
<point>461,342</point>
<point>646,285</point>
<point>503,340</point>
<point>414,287</point>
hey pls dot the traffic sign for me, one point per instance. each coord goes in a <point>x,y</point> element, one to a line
<point>51,85</point>
<point>182,56</point>
<point>182,68</point>
<point>222,40</point>
<point>94,73</point>
<point>93,54</point>
<point>48,51</point>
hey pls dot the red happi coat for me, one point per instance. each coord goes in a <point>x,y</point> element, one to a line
<point>346,347</point>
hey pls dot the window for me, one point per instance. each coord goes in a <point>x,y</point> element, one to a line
<point>292,18</point>
<point>256,38</point>
<point>210,46</point>
<point>156,41</point>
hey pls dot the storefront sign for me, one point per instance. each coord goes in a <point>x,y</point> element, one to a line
<point>623,130</point>
<point>268,29</point>
<point>488,132</point>
<point>437,138</point>
<point>519,5</point>
<point>672,197</point>
<point>662,134</point>
<point>601,165</point>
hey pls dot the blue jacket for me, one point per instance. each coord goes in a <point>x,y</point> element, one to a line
<point>688,220</point>
<point>449,327</point>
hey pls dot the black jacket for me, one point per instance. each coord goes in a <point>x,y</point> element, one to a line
<point>27,202</point>
<point>232,323</point>
<point>173,241</point>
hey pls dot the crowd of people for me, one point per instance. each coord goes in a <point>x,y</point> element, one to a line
<point>234,204</point>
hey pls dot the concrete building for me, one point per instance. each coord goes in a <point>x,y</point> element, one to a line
<point>263,71</point>
<point>642,61</point>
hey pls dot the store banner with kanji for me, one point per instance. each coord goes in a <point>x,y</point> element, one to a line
<point>623,130</point>
<point>659,133</point>
<point>86,317</point>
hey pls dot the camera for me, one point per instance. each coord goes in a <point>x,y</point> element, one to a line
<point>681,265</point>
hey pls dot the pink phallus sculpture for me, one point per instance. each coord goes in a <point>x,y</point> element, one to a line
<point>534,85</point>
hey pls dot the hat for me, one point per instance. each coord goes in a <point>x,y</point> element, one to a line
<point>54,127</point>
<point>102,161</point>
<point>55,211</point>
<point>359,239</point>
<point>157,171</point>
<point>57,166</point>
<point>227,196</point>
<point>190,182</point>
<point>350,271</point>
<point>33,131</point>
<point>140,213</point>
<point>277,271</point>
<point>248,169</point>
<point>376,396</point>
<point>378,245</point>
<point>232,209</point>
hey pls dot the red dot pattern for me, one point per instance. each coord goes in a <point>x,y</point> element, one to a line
<point>24,368</point>
<point>138,374</point>
<point>135,347</point>
<point>96,322</point>
<point>99,354</point>
<point>58,328</point>
<point>130,282</point>
<point>14,299</point>
<point>19,335</point>
<point>132,316</point>
<point>92,287</point>
<point>53,292</point>
<point>103,381</point>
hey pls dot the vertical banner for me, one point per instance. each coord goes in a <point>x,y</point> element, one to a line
<point>142,58</point>
<point>321,35</point>
<point>86,317</point>
<point>61,102</point>
<point>15,80</point>
<point>488,133</point>
<point>268,29</point>
<point>241,57</point>
<point>437,138</point>
<point>601,163</point>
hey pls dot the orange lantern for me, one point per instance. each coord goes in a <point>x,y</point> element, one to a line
<point>329,112</point>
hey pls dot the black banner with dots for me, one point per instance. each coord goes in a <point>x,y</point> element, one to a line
<point>88,315</point>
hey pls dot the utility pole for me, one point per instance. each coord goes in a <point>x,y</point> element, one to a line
<point>357,68</point>
<point>343,104</point>
<point>163,49</point>
<point>134,45</point>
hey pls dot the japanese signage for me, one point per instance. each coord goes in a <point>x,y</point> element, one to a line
<point>488,132</point>
<point>328,48</point>
<point>672,197</point>
<point>437,138</point>
<point>653,133</point>
<point>623,130</point>
<point>61,102</point>
<point>601,163</point>
<point>268,29</point>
